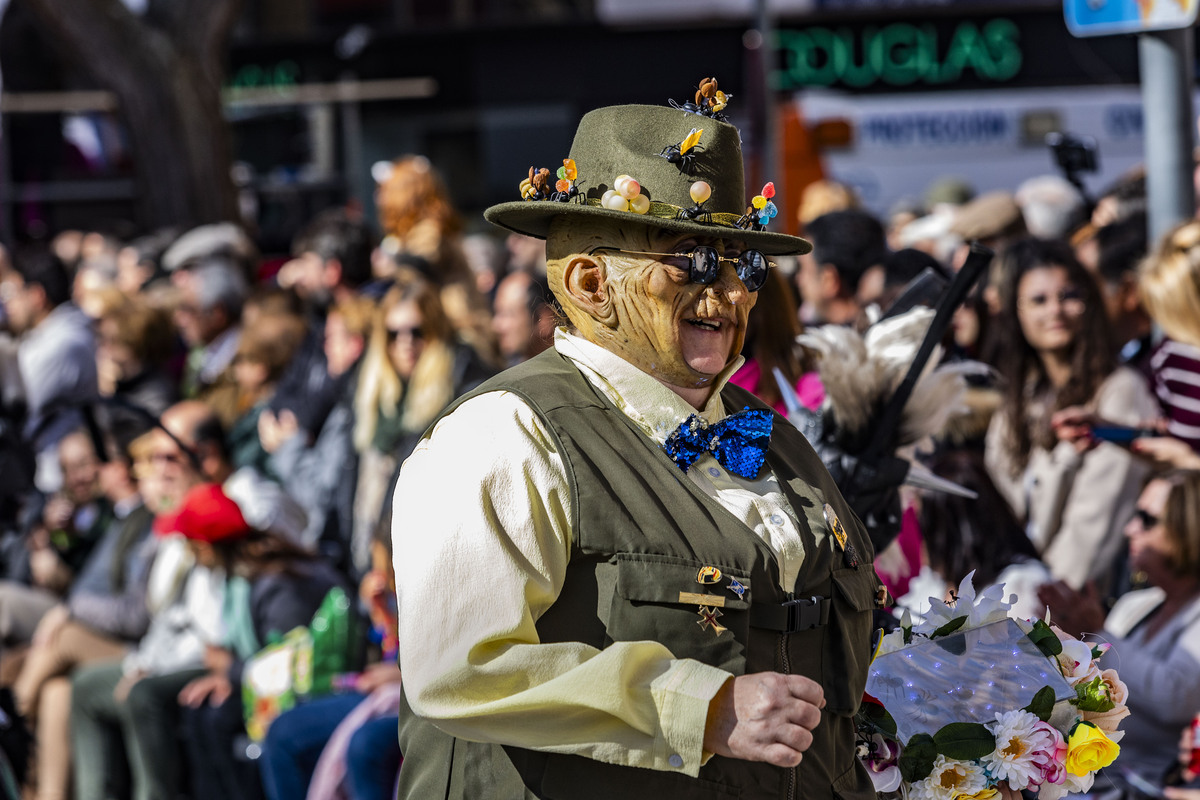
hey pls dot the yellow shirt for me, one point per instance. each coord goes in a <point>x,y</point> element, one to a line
<point>481,542</point>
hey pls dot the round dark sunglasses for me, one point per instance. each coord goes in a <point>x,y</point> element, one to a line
<point>704,263</point>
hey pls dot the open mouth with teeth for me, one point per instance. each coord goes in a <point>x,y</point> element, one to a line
<point>705,324</point>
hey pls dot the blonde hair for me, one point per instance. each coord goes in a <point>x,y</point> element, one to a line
<point>358,315</point>
<point>823,197</point>
<point>428,390</point>
<point>1169,283</point>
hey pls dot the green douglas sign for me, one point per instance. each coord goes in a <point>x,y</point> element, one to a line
<point>900,54</point>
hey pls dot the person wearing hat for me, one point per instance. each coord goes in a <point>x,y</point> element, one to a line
<point>619,575</point>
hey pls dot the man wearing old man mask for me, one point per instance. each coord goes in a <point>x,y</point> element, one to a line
<point>618,575</point>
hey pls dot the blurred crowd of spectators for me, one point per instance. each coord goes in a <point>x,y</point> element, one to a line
<point>197,444</point>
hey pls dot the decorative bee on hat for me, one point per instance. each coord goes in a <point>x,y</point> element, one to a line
<point>710,101</point>
<point>537,185</point>
<point>683,155</point>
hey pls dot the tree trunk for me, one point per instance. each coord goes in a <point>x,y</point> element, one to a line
<point>166,72</point>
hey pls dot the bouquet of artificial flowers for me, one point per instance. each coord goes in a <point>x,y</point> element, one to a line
<point>969,698</point>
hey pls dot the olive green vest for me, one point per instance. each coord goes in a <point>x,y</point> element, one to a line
<point>642,531</point>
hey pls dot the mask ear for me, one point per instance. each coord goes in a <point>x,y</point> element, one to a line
<point>585,281</point>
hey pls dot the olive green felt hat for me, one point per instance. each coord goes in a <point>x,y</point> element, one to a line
<point>631,141</point>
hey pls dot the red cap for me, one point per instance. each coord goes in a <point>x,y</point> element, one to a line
<point>206,514</point>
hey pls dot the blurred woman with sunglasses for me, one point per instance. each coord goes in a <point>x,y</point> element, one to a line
<point>1154,632</point>
<point>1057,355</point>
<point>413,368</point>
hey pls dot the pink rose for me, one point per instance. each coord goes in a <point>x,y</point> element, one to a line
<point>1117,689</point>
<point>1048,752</point>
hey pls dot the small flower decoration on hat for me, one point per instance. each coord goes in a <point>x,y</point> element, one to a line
<point>761,210</point>
<point>710,101</point>
<point>626,195</point>
<point>565,189</point>
<point>537,185</point>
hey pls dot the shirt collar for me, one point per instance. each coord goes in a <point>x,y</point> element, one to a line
<point>653,407</point>
<point>219,353</point>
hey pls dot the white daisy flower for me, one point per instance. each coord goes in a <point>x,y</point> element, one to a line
<point>948,780</point>
<point>1022,744</point>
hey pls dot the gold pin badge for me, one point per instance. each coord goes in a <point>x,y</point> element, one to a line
<point>708,616</point>
<point>708,575</point>
<point>714,600</point>
<point>835,526</point>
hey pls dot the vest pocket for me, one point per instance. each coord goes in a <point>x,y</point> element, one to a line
<point>659,598</point>
<point>848,640</point>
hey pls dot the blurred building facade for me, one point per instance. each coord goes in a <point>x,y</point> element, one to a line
<point>319,90</point>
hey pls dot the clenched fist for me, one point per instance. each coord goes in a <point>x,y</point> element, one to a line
<point>766,716</point>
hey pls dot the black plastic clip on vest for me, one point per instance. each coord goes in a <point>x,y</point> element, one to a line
<point>792,616</point>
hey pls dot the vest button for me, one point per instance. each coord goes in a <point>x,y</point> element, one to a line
<point>716,473</point>
<point>675,761</point>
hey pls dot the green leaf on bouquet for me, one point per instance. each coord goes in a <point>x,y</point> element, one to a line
<point>1093,696</point>
<point>877,717</point>
<point>949,628</point>
<point>916,761</point>
<point>1045,639</point>
<point>965,741</point>
<point>1042,705</point>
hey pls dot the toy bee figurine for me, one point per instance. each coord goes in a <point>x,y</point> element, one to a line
<point>710,101</point>
<point>537,185</point>
<point>700,191</point>
<point>683,155</point>
<point>565,189</point>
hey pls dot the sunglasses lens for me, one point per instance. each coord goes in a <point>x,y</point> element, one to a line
<point>752,269</point>
<point>705,265</point>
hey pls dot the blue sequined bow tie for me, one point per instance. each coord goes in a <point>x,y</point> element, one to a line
<point>738,442</point>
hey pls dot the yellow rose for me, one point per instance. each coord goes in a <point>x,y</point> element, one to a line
<point>1088,750</point>
<point>983,794</point>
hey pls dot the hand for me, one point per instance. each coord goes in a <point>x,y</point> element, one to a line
<point>289,273</point>
<point>273,430</point>
<point>51,623</point>
<point>44,566</point>
<point>372,585</point>
<point>108,374</point>
<point>121,691</point>
<point>217,660</point>
<point>1179,793</point>
<point>765,716</point>
<point>1074,425</point>
<point>377,675</point>
<point>213,688</point>
<point>57,513</point>
<point>1074,611</point>
<point>1167,451</point>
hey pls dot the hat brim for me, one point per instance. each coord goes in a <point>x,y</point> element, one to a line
<point>534,217</point>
